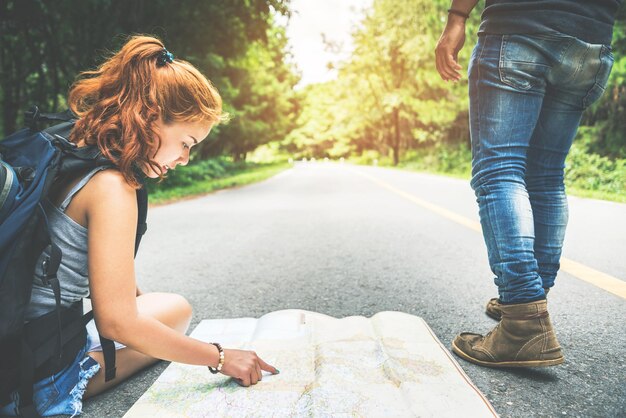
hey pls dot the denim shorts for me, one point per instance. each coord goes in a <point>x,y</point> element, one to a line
<point>62,393</point>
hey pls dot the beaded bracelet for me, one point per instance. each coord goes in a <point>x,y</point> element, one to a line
<point>218,369</point>
<point>458,13</point>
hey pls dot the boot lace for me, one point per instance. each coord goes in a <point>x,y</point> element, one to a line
<point>493,330</point>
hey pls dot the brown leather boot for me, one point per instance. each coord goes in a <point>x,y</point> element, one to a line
<point>523,338</point>
<point>493,307</point>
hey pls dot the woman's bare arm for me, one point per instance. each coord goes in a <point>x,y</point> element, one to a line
<point>111,208</point>
<point>112,218</point>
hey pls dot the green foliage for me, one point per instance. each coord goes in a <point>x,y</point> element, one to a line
<point>267,154</point>
<point>237,44</point>
<point>205,172</point>
<point>388,97</point>
<point>193,180</point>
<point>321,126</point>
<point>196,171</point>
<point>608,115</point>
<point>261,99</point>
<point>388,103</point>
<point>390,107</point>
<point>592,172</point>
<point>452,159</point>
<point>370,157</point>
<point>586,174</point>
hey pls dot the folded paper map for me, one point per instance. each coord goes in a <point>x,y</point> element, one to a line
<point>389,365</point>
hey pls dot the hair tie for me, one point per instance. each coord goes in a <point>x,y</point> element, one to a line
<point>164,57</point>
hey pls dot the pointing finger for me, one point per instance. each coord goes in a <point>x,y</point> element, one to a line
<point>267,367</point>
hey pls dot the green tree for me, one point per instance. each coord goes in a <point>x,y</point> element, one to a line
<point>388,96</point>
<point>607,117</point>
<point>44,44</point>
<point>260,98</point>
<point>322,129</point>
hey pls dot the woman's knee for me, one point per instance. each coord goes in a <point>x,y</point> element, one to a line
<point>169,308</point>
<point>180,308</point>
<point>182,305</point>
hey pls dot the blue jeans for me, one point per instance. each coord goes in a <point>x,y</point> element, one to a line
<point>62,393</point>
<point>527,94</point>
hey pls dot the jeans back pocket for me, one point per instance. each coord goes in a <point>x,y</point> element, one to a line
<point>604,62</point>
<point>522,66</point>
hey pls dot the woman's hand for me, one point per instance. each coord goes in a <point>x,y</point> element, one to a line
<point>245,366</point>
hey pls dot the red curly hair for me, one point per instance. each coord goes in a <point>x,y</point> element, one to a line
<point>118,103</point>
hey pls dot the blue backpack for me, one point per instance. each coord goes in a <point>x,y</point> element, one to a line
<point>31,160</point>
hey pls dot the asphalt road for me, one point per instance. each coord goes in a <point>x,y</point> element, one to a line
<point>332,238</point>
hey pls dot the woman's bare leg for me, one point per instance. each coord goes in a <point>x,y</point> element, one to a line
<point>168,308</point>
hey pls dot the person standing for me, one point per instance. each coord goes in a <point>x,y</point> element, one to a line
<point>536,67</point>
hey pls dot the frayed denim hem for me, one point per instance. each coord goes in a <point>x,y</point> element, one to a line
<point>78,391</point>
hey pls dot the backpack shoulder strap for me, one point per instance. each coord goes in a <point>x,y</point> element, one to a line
<point>33,117</point>
<point>142,212</point>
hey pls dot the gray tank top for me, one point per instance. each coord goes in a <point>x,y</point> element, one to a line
<point>71,238</point>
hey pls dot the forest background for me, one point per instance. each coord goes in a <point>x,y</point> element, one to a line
<point>387,105</point>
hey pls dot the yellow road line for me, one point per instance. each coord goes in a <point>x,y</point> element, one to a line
<point>595,277</point>
<point>580,271</point>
